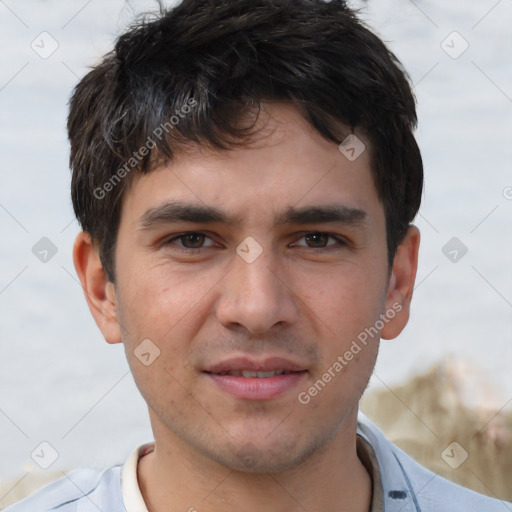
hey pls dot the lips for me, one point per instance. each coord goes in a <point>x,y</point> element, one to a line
<point>252,374</point>
<point>253,379</point>
<point>262,366</point>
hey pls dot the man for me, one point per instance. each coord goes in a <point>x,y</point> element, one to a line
<point>246,176</point>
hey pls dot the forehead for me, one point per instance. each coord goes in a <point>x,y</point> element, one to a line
<point>286,164</point>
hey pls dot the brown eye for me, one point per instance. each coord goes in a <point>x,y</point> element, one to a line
<point>317,239</point>
<point>192,240</point>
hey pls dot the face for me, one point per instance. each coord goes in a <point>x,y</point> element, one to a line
<point>270,258</point>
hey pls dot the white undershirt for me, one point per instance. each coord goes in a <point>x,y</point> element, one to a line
<point>132,497</point>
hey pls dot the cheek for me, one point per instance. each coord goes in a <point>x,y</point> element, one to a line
<point>346,299</point>
<point>156,345</point>
<point>159,299</point>
<point>167,308</point>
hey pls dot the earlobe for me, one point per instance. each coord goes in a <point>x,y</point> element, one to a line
<point>401,284</point>
<point>99,291</point>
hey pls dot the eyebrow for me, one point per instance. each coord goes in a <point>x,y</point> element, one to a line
<point>176,211</point>
<point>336,214</point>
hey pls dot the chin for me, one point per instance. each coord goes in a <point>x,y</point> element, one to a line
<point>259,455</point>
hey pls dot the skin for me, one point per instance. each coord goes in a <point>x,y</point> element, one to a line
<point>305,298</point>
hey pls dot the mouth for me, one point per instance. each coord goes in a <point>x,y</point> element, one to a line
<point>250,379</point>
<point>250,374</point>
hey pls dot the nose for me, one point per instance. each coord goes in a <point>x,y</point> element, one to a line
<point>257,296</point>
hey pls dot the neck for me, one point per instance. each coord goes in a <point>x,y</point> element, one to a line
<point>175,478</point>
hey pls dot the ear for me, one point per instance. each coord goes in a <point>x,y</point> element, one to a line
<point>401,284</point>
<point>99,291</point>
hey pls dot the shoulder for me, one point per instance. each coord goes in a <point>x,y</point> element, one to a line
<point>408,486</point>
<point>82,490</point>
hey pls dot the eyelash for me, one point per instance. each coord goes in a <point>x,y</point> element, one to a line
<point>341,242</point>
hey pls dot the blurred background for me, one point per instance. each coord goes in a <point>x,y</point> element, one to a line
<point>61,384</point>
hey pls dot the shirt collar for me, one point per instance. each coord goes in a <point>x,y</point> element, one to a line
<point>399,496</point>
<point>132,497</point>
<point>369,460</point>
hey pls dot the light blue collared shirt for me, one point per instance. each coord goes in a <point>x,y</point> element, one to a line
<point>405,485</point>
